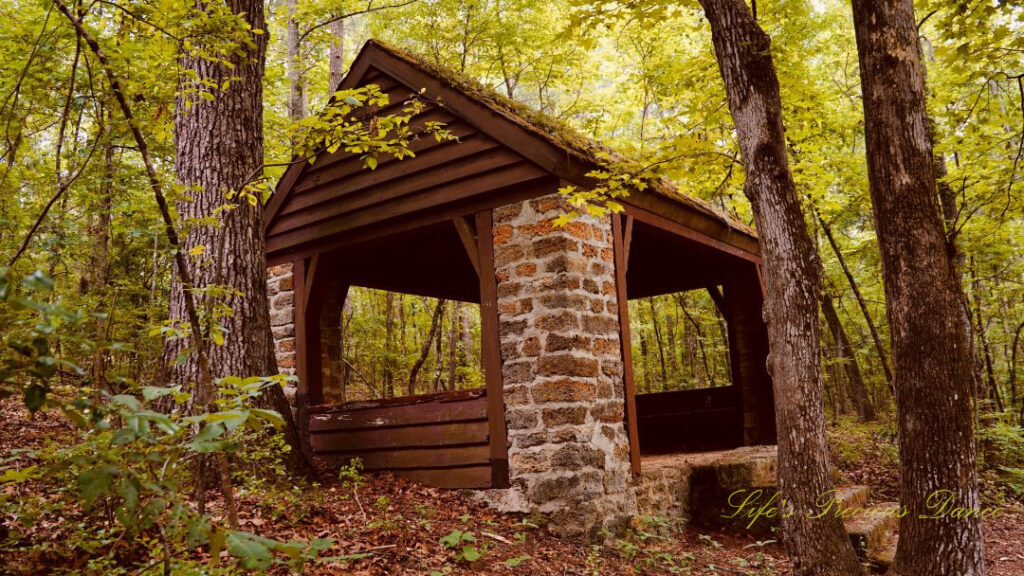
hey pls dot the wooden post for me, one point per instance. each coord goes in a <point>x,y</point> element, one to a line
<point>748,355</point>
<point>490,348</point>
<point>307,339</point>
<point>625,340</point>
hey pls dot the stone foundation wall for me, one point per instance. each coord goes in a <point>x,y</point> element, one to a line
<point>562,367</point>
<point>281,294</point>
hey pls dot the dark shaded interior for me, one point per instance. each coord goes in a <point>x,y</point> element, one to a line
<point>427,261</point>
<point>662,262</point>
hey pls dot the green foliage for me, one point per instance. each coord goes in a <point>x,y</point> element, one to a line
<point>464,545</point>
<point>1002,452</point>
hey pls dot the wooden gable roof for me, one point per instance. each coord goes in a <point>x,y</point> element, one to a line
<point>505,152</point>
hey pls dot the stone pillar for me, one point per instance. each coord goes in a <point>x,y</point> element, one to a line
<point>281,295</point>
<point>562,366</point>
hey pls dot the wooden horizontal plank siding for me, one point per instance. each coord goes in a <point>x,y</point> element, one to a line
<point>391,416</point>
<point>352,174</point>
<point>438,439</point>
<point>415,458</point>
<point>361,192</point>
<point>359,230</point>
<point>466,477</point>
<point>458,128</point>
<point>384,205</point>
<point>689,420</point>
<point>444,434</point>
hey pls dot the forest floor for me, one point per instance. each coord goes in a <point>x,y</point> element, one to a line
<point>399,526</point>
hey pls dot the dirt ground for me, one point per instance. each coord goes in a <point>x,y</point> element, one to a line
<point>399,526</point>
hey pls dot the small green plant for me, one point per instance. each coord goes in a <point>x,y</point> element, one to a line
<point>465,546</point>
<point>517,560</point>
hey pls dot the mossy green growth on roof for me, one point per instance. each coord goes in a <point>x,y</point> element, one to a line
<point>557,132</point>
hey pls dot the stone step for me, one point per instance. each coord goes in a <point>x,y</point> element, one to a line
<point>871,531</point>
<point>882,559</point>
<point>880,562</point>
<point>734,469</point>
<point>853,495</point>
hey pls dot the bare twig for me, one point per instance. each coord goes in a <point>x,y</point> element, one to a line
<point>369,8</point>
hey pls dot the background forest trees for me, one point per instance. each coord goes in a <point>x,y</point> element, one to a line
<point>76,203</point>
<point>641,77</point>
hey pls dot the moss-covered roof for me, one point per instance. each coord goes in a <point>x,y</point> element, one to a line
<point>558,133</point>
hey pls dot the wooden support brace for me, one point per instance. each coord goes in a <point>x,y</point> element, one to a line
<point>627,240</point>
<point>467,234</point>
<point>716,296</point>
<point>308,282</point>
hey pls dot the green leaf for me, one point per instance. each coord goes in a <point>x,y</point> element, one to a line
<point>268,415</point>
<point>517,560</point>
<point>38,280</point>
<point>154,392</point>
<point>35,397</point>
<point>452,540</point>
<point>250,550</point>
<point>15,476</point>
<point>471,554</point>
<point>95,483</point>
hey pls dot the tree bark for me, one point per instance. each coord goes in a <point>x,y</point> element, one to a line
<point>219,145</point>
<point>793,283</point>
<point>845,354</point>
<point>337,53</point>
<point>296,84</point>
<point>931,367</point>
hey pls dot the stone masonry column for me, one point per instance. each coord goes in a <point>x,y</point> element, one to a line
<point>562,366</point>
<point>281,295</point>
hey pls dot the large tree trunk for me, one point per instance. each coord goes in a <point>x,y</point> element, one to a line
<point>931,367</point>
<point>793,282</point>
<point>219,149</point>
<point>845,354</point>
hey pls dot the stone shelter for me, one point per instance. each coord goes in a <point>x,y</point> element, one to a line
<point>558,428</point>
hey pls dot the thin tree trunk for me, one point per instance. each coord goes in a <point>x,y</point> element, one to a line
<point>657,339</point>
<point>1013,364</point>
<point>708,378</point>
<point>883,358</point>
<point>99,265</point>
<point>993,388</point>
<point>453,345</point>
<point>670,333</point>
<point>929,337</point>
<point>792,274</point>
<point>439,354</point>
<point>425,350</point>
<point>337,53</point>
<point>389,320</point>
<point>846,355</point>
<point>296,83</point>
